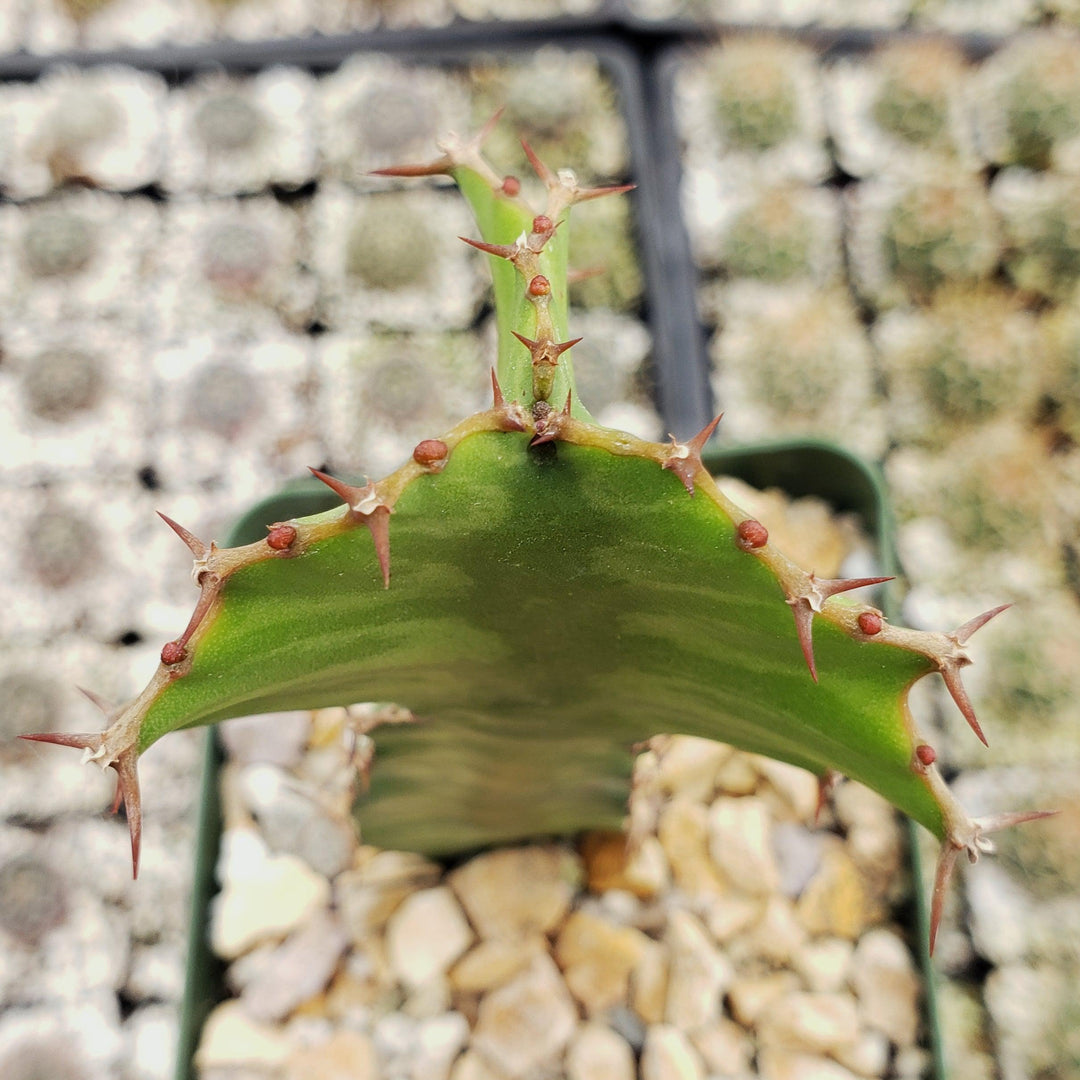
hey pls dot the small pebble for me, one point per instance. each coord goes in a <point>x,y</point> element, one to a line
<point>669,1055</point>
<point>525,1025</point>
<point>598,1053</point>
<point>516,891</point>
<point>425,935</point>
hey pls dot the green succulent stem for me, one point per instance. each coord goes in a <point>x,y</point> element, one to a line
<point>558,592</point>
<point>503,220</point>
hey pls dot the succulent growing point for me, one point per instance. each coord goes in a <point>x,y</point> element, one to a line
<point>544,594</point>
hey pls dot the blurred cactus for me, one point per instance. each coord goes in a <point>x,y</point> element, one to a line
<point>783,233</point>
<point>229,136</point>
<point>61,382</point>
<point>388,244</point>
<point>916,98</point>
<point>1046,861</point>
<point>1000,499</point>
<point>236,255</point>
<point>1030,102</point>
<point>81,10</point>
<point>908,104</point>
<point>223,398</point>
<point>605,252</point>
<point>1060,336</point>
<point>909,240</point>
<point>388,379</point>
<point>769,240</point>
<point>32,899</point>
<point>1041,216</point>
<point>750,113</point>
<point>964,360</point>
<point>62,547</point>
<point>796,361</point>
<point>755,94</point>
<point>227,122</point>
<point>79,118</point>
<point>937,233</point>
<point>391,259</point>
<point>562,102</point>
<point>31,703</point>
<point>57,243</point>
<point>374,108</point>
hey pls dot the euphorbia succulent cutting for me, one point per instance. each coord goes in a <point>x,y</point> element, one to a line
<point>543,594</point>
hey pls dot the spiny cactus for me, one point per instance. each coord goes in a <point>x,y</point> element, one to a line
<point>909,239</point>
<point>918,82</point>
<point>1029,108</point>
<point>544,593</point>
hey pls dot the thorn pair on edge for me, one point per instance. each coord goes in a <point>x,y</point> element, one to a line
<point>975,845</point>
<point>125,765</point>
<point>364,503</point>
<point>806,605</point>
<point>684,459</point>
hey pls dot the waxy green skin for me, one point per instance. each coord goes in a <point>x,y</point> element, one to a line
<point>540,627</point>
<point>544,597</point>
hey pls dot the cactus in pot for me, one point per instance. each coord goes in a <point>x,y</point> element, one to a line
<point>542,594</point>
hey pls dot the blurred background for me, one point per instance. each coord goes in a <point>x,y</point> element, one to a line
<point>858,222</point>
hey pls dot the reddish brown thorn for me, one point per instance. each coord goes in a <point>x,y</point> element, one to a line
<point>281,537</point>
<point>128,787</point>
<point>804,607</point>
<point>364,503</point>
<point>950,672</point>
<point>804,627</point>
<point>80,741</point>
<point>826,782</point>
<point>490,124</point>
<point>173,652</point>
<point>962,635</point>
<point>378,523</point>
<point>532,346</point>
<point>431,168</point>
<point>870,623</point>
<point>118,798</point>
<point>539,286</point>
<point>510,416</point>
<point>684,459</point>
<point>697,443</point>
<point>430,452</point>
<point>996,822</point>
<point>547,177</point>
<point>349,493</point>
<point>827,587</point>
<point>925,754</point>
<point>945,865</point>
<point>511,186</point>
<point>502,251</point>
<point>751,534</point>
<point>545,352</point>
<point>498,402</point>
<point>107,708</point>
<point>950,666</point>
<point>586,273</point>
<point>194,544</point>
<point>584,194</point>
